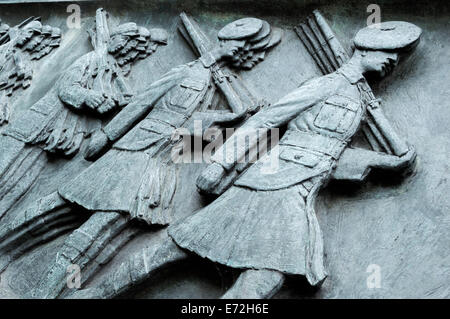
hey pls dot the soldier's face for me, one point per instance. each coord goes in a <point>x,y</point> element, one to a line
<point>231,48</point>
<point>117,43</point>
<point>24,36</point>
<point>34,42</point>
<point>379,62</point>
<point>253,60</point>
<point>152,46</point>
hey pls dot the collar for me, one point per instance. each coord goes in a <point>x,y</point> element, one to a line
<point>350,74</point>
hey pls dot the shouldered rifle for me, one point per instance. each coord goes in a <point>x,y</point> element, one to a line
<point>100,42</point>
<point>240,99</point>
<point>329,54</point>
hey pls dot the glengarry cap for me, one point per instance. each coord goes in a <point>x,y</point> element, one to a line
<point>127,29</point>
<point>241,29</point>
<point>388,36</point>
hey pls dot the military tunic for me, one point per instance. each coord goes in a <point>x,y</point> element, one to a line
<point>267,221</point>
<point>137,175</point>
<point>57,123</point>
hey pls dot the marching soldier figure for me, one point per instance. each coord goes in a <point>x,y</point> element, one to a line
<point>58,123</point>
<point>136,179</point>
<point>265,224</point>
<point>19,45</point>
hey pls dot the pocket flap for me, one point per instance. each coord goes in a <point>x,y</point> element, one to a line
<point>155,126</point>
<point>343,102</point>
<point>298,156</point>
<point>193,84</point>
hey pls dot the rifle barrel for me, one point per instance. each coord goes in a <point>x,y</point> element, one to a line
<point>398,146</point>
<point>200,41</point>
<point>203,44</point>
<point>337,49</point>
<point>102,32</point>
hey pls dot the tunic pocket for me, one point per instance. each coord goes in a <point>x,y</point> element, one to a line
<point>337,114</point>
<point>185,96</point>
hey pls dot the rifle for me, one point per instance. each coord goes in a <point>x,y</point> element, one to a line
<point>239,97</point>
<point>100,42</point>
<point>106,69</point>
<point>241,100</point>
<point>329,54</point>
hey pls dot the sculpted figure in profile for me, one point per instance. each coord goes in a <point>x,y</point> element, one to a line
<point>58,123</point>
<point>136,180</point>
<point>265,224</point>
<point>19,46</point>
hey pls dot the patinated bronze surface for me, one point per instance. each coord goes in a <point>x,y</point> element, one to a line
<point>97,179</point>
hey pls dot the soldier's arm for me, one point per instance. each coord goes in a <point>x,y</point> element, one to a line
<point>355,163</point>
<point>239,99</point>
<point>274,116</point>
<point>140,105</point>
<point>70,89</point>
<point>214,120</point>
<point>135,111</point>
<point>232,152</point>
<point>382,124</point>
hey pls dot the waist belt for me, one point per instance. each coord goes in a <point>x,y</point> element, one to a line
<point>314,142</point>
<point>168,117</point>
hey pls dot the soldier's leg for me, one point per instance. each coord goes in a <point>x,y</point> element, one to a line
<point>19,168</point>
<point>139,267</point>
<point>68,224</point>
<point>255,284</point>
<point>92,266</point>
<point>49,213</point>
<point>48,219</point>
<point>81,247</point>
<point>112,249</point>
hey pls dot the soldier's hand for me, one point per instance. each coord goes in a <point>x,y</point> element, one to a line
<point>258,106</point>
<point>94,99</point>
<point>399,162</point>
<point>126,99</point>
<point>106,106</point>
<point>210,178</point>
<point>99,141</point>
<point>407,160</point>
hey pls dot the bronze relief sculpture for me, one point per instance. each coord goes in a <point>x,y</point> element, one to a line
<point>59,122</point>
<point>265,224</point>
<point>19,46</point>
<point>136,179</point>
<point>262,224</point>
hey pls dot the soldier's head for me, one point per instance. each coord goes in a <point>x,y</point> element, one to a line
<point>34,42</point>
<point>4,28</point>
<point>27,32</point>
<point>129,42</point>
<point>244,42</point>
<point>157,37</point>
<point>378,47</point>
<point>120,36</point>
